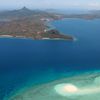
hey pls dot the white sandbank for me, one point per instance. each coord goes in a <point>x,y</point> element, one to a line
<point>67,89</point>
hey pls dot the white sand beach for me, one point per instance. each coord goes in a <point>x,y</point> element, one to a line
<point>6,36</point>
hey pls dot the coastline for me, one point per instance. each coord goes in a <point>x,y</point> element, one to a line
<point>44,38</point>
<point>49,33</point>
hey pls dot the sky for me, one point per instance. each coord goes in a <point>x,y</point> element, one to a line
<point>50,4</point>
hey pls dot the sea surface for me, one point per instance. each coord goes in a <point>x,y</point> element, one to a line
<point>25,62</point>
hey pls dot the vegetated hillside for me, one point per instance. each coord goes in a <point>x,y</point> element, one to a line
<point>28,23</point>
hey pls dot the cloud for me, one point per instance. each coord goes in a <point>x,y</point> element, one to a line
<point>85,4</point>
<point>94,4</point>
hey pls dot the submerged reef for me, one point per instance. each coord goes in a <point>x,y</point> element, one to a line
<point>79,87</point>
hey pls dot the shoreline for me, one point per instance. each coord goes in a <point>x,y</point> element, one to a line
<point>22,37</point>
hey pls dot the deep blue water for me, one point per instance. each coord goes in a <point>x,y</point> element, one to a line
<point>24,60</point>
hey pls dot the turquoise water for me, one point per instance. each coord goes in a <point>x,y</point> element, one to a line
<point>24,61</point>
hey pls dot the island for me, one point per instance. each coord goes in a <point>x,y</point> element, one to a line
<point>26,23</point>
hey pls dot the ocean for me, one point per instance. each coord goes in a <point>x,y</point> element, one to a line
<point>26,62</point>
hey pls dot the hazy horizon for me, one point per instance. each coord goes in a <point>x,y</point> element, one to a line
<point>50,4</point>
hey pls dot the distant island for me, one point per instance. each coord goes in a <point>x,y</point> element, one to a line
<point>88,15</point>
<point>26,23</point>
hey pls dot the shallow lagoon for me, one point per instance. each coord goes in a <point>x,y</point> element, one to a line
<point>86,87</point>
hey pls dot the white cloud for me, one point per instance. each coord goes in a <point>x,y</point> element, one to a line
<point>94,4</point>
<point>84,4</point>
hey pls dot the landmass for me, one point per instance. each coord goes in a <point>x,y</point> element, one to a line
<point>26,23</point>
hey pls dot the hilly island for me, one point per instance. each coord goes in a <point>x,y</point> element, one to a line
<point>26,23</point>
